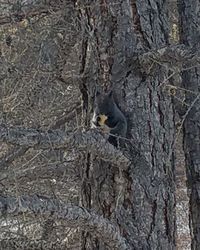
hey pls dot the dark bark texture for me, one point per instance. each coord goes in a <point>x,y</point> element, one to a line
<point>190,35</point>
<point>75,216</point>
<point>140,200</point>
<point>123,197</point>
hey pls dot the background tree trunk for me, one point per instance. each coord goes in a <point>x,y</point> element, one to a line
<point>190,34</point>
<point>141,199</point>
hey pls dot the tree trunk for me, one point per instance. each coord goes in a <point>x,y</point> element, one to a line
<point>141,199</point>
<point>190,34</point>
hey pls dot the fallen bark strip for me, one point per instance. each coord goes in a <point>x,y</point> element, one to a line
<point>74,216</point>
<point>91,140</point>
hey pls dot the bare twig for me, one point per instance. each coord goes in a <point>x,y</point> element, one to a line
<point>181,125</point>
<point>36,8</point>
<point>66,117</point>
<point>48,229</point>
<point>17,152</point>
<point>11,156</point>
<point>187,112</point>
<point>175,55</point>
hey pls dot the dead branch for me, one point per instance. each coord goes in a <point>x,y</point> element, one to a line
<point>74,216</point>
<point>48,229</point>
<point>17,152</point>
<point>18,12</point>
<point>68,115</point>
<point>12,155</point>
<point>36,244</point>
<point>38,139</point>
<point>176,55</point>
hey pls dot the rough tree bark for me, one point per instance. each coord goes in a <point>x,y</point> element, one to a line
<point>190,34</point>
<point>140,200</point>
<point>74,216</point>
<point>58,139</point>
<point>125,46</point>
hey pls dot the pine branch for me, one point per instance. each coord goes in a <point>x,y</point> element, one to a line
<point>74,216</point>
<point>91,140</point>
